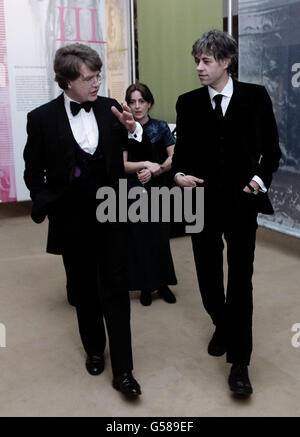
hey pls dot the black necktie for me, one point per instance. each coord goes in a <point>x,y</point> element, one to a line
<point>218,108</point>
<point>75,107</point>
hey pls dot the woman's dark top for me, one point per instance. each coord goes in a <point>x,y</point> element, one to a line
<point>150,260</point>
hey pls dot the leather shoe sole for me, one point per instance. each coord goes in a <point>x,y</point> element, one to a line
<point>94,364</point>
<point>239,382</point>
<point>127,385</point>
<point>241,391</point>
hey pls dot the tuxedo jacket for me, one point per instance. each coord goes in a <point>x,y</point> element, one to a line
<point>249,140</point>
<point>49,156</point>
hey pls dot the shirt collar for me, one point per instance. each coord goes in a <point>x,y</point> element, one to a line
<point>227,91</point>
<point>67,105</point>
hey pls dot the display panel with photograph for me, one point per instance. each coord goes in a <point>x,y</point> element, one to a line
<point>30,33</point>
<point>269,44</point>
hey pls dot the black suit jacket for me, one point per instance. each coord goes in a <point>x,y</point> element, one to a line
<point>49,156</point>
<point>250,140</point>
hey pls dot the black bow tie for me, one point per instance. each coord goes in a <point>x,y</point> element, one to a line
<point>75,107</point>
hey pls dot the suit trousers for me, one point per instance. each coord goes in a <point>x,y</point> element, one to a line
<point>230,312</point>
<point>96,302</point>
<point>91,255</point>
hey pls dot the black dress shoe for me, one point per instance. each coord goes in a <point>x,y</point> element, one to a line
<point>94,364</point>
<point>217,346</point>
<point>167,294</point>
<point>146,298</point>
<point>239,381</point>
<point>125,383</point>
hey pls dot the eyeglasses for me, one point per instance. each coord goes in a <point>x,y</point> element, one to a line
<point>91,79</point>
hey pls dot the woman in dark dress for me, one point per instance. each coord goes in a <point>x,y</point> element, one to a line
<point>150,261</point>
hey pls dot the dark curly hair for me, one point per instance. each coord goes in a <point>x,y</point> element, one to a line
<point>220,45</point>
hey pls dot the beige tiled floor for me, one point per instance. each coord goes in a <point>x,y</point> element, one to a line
<point>42,366</point>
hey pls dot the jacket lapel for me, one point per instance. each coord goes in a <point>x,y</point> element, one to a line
<point>202,107</point>
<point>65,135</point>
<point>104,129</point>
<point>238,106</point>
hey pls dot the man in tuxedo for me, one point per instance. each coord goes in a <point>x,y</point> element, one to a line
<point>227,141</point>
<point>74,147</point>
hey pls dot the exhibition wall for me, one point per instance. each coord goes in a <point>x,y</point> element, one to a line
<point>166,32</point>
<point>269,45</point>
<point>30,33</point>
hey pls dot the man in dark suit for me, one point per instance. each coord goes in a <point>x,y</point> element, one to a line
<point>227,141</point>
<point>74,147</point>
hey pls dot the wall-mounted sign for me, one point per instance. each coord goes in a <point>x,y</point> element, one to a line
<point>30,33</point>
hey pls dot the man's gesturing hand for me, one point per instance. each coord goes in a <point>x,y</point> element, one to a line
<point>125,117</point>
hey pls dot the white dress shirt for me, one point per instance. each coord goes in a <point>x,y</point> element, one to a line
<point>85,128</point>
<point>226,92</point>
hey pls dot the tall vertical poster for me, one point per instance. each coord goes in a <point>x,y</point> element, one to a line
<point>30,33</point>
<point>7,168</point>
<point>269,44</point>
